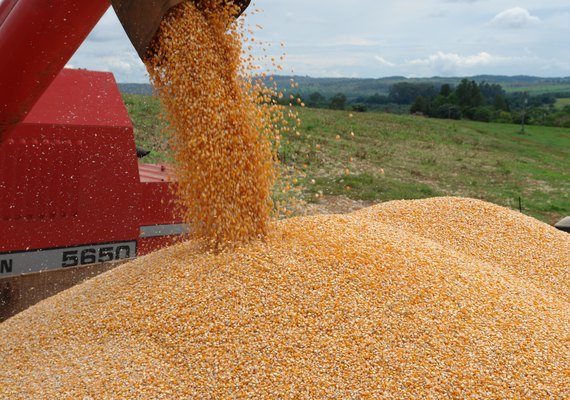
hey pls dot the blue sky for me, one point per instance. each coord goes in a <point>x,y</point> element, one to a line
<point>371,38</point>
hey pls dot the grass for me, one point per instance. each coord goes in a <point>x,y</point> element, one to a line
<point>561,103</point>
<point>149,129</point>
<point>537,89</point>
<point>405,157</point>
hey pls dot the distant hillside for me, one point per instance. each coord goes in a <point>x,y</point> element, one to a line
<point>136,88</point>
<point>357,87</point>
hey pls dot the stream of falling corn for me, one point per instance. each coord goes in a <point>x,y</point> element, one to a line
<point>427,299</point>
<point>222,123</point>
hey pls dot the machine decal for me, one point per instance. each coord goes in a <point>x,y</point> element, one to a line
<point>26,262</point>
<point>163,230</point>
<point>6,266</point>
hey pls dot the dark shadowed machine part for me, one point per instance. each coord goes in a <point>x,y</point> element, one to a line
<point>141,19</point>
<point>563,225</point>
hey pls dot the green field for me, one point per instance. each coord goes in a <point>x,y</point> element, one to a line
<point>404,157</point>
<point>537,89</point>
<point>561,103</point>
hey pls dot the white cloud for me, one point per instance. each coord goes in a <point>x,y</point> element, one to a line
<point>453,59</point>
<point>108,29</point>
<point>452,63</point>
<point>384,62</point>
<point>516,17</point>
<point>118,63</point>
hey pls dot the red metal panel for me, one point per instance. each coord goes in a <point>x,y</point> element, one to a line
<point>88,197</point>
<point>79,97</point>
<point>70,177</point>
<point>30,181</point>
<point>69,174</point>
<point>39,37</point>
<point>155,173</point>
<point>6,7</point>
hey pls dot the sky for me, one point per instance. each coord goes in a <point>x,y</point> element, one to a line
<point>379,38</point>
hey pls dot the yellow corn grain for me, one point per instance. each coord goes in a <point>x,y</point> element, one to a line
<point>222,122</point>
<point>440,298</point>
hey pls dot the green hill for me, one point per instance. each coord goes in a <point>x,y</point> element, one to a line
<point>396,157</point>
<point>358,87</point>
<point>364,87</point>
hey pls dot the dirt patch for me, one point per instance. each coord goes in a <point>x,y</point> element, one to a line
<point>335,205</point>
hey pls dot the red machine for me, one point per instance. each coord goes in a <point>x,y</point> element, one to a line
<point>72,192</point>
<point>71,189</point>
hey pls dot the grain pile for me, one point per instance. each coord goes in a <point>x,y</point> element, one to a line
<point>222,122</point>
<point>440,298</point>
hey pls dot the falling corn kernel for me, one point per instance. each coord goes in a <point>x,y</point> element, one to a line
<point>221,122</point>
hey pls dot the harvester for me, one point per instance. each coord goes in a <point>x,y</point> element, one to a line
<point>74,199</point>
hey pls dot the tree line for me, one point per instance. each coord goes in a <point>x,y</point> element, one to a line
<point>488,102</point>
<point>478,101</point>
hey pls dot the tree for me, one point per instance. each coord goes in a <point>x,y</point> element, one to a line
<point>490,91</point>
<point>316,99</point>
<point>447,111</point>
<point>359,107</point>
<point>504,117</point>
<point>500,103</point>
<point>468,95</point>
<point>376,99</point>
<point>406,93</point>
<point>338,102</point>
<point>421,105</point>
<point>482,114</point>
<point>445,90</point>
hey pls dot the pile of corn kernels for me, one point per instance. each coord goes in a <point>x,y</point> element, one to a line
<point>439,298</point>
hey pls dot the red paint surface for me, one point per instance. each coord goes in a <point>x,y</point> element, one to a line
<point>69,173</point>
<point>37,39</point>
<point>81,98</point>
<point>155,173</point>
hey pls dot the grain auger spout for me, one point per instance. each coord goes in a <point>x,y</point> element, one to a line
<point>141,19</point>
<point>40,37</point>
